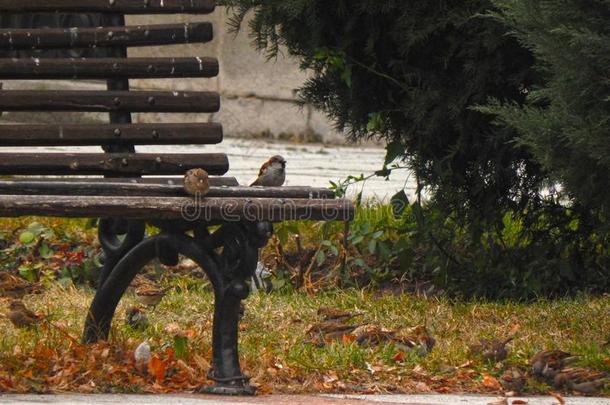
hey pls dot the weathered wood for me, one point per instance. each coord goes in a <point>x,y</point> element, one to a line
<point>110,188</point>
<point>106,101</point>
<point>134,36</point>
<point>110,163</point>
<point>104,68</point>
<point>225,209</point>
<point>105,134</point>
<point>110,6</point>
<point>225,181</point>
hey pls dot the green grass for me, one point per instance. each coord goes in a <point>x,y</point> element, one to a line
<point>273,333</point>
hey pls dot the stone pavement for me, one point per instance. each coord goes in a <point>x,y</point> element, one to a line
<point>432,399</point>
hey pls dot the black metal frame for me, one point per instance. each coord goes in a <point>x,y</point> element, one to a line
<point>228,257</point>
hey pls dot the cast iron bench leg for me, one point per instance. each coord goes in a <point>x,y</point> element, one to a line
<point>227,272</point>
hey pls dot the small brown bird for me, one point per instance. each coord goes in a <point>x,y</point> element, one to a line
<point>13,286</point>
<point>272,173</point>
<point>135,318</point>
<point>581,379</point>
<point>417,339</point>
<point>548,363</point>
<point>325,332</point>
<point>329,327</point>
<point>331,314</point>
<point>491,349</point>
<point>513,380</point>
<point>22,317</point>
<point>370,335</point>
<point>150,295</point>
<point>197,182</point>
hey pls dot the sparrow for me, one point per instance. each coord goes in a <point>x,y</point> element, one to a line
<point>493,349</point>
<point>135,318</point>
<point>150,295</point>
<point>417,338</point>
<point>272,173</point>
<point>513,380</point>
<point>548,363</point>
<point>197,182</point>
<point>328,331</point>
<point>22,317</point>
<point>329,327</point>
<point>368,335</point>
<point>141,280</point>
<point>14,287</point>
<point>331,314</point>
<point>581,379</point>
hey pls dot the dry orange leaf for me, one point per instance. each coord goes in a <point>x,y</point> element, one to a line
<point>519,402</point>
<point>348,338</point>
<point>399,357</point>
<point>156,367</point>
<point>491,382</point>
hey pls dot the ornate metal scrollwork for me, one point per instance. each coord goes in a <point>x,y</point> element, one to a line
<point>228,257</point>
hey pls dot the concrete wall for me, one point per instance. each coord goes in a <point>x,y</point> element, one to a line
<point>258,96</point>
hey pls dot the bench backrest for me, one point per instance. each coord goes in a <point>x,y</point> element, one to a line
<point>32,54</point>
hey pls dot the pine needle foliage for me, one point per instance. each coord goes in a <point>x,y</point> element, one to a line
<point>566,122</point>
<point>409,72</point>
<point>500,107</point>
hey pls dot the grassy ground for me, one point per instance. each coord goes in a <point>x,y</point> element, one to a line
<point>49,357</point>
<point>55,254</point>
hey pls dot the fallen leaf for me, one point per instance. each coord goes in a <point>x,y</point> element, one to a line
<point>156,367</point>
<point>399,357</point>
<point>558,397</point>
<point>331,377</point>
<point>491,382</point>
<point>348,338</point>
<point>202,363</point>
<point>422,387</point>
<point>519,402</point>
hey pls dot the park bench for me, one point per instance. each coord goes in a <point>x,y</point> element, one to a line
<point>222,231</point>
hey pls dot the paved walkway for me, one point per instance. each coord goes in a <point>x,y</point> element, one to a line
<point>309,164</point>
<point>288,400</point>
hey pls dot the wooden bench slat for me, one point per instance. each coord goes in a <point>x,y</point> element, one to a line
<point>109,188</point>
<point>106,101</point>
<point>226,209</point>
<point>110,163</point>
<point>107,134</point>
<point>113,6</point>
<point>134,36</point>
<point>105,68</point>
<point>225,181</point>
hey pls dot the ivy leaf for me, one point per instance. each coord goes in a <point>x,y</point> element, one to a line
<point>399,202</point>
<point>27,237</point>
<point>394,150</point>
<point>180,346</point>
<point>320,258</point>
<point>45,251</point>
